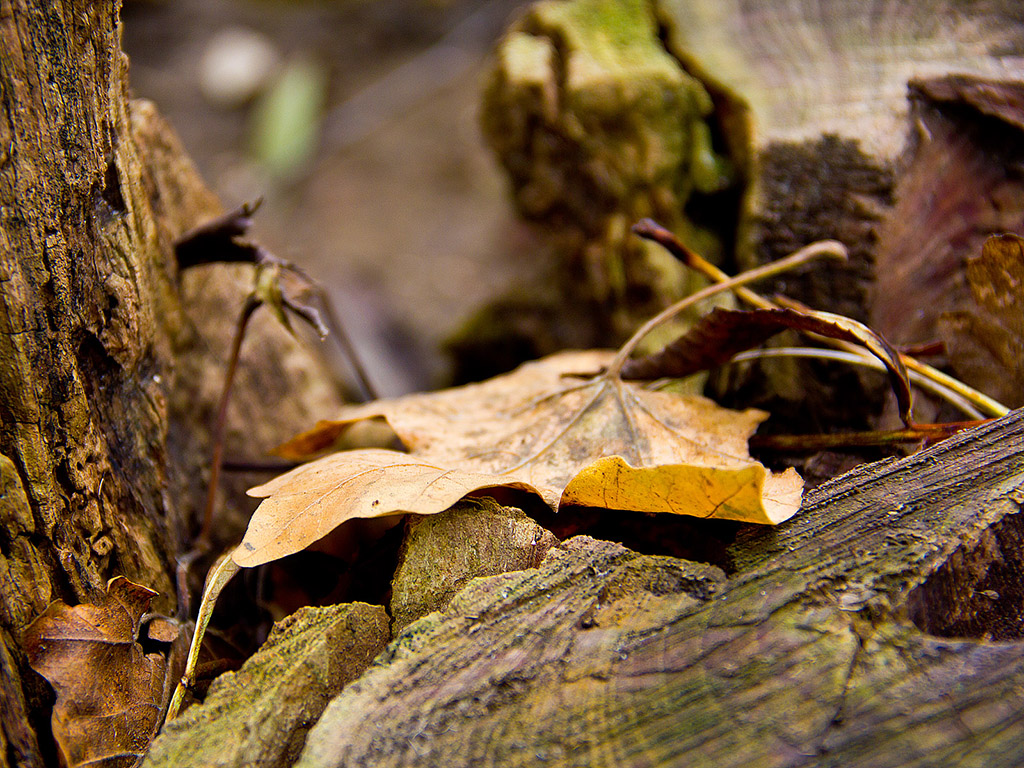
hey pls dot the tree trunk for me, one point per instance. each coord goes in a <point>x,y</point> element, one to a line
<point>89,315</point>
<point>107,378</point>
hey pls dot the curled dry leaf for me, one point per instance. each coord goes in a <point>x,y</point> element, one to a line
<point>723,333</point>
<point>986,345</point>
<point>110,692</point>
<point>594,441</point>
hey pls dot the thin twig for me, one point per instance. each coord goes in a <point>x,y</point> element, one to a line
<point>855,358</point>
<point>366,389</point>
<point>219,576</point>
<point>918,433</point>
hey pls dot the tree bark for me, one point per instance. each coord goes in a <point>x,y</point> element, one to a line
<point>88,312</point>
<point>104,403</point>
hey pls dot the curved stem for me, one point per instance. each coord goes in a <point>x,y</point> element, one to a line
<point>651,230</point>
<point>220,575</point>
<point>203,540</point>
<point>832,248</point>
<point>948,394</point>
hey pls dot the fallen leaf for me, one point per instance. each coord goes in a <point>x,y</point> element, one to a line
<point>110,692</point>
<point>986,344</point>
<point>542,428</point>
<point>723,333</point>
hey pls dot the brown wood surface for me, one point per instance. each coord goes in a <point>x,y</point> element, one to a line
<point>108,370</point>
<point>88,316</point>
<point>814,95</point>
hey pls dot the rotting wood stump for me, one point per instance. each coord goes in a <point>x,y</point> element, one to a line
<point>879,627</point>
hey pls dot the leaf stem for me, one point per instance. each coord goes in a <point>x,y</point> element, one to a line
<point>651,230</point>
<point>366,389</point>
<point>856,358</point>
<point>831,248</point>
<point>252,303</point>
<point>927,433</point>
<point>220,575</point>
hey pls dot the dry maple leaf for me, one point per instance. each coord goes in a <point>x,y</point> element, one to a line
<point>110,692</point>
<point>595,441</point>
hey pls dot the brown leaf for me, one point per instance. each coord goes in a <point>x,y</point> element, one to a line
<point>986,345</point>
<point>723,333</point>
<point>595,441</point>
<point>110,693</point>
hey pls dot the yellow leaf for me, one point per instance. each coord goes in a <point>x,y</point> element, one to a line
<point>552,427</point>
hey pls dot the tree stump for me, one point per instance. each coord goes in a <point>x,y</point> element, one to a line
<point>100,444</point>
<point>811,112</point>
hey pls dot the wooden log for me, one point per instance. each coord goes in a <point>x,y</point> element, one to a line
<point>814,98</point>
<point>865,631</point>
<point>259,715</point>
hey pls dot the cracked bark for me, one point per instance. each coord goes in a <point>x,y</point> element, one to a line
<point>102,423</point>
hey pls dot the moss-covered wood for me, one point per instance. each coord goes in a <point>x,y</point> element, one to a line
<point>857,634</point>
<point>810,109</point>
<point>440,554</point>
<point>259,715</point>
<point>597,126</point>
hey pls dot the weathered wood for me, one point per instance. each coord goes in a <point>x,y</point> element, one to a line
<point>88,312</point>
<point>441,553</point>
<point>99,448</point>
<point>259,715</point>
<point>815,96</point>
<point>836,641</point>
<point>597,129</point>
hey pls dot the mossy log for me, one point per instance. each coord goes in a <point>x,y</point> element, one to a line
<point>879,627</point>
<point>259,715</point>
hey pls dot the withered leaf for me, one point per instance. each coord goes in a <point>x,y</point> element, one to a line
<point>986,345</point>
<point>110,692</point>
<point>723,333</point>
<point>594,441</point>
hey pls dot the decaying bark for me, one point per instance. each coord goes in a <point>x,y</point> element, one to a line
<point>877,628</point>
<point>963,181</point>
<point>89,311</point>
<point>94,189</point>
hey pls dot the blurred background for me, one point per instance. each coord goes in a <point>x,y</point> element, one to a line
<point>357,123</point>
